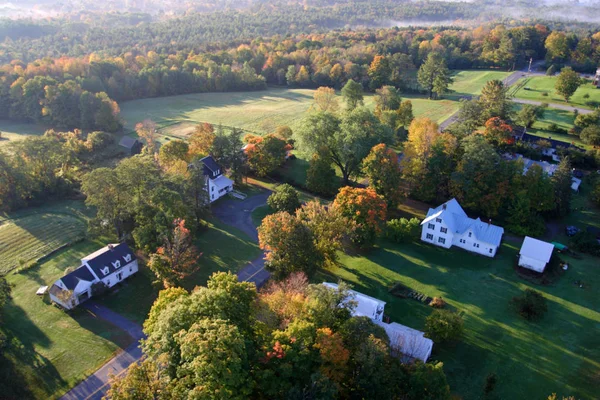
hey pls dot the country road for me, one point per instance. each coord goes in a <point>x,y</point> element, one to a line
<point>554,105</point>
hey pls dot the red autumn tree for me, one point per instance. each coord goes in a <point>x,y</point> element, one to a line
<point>498,130</point>
<point>177,258</point>
<point>367,209</point>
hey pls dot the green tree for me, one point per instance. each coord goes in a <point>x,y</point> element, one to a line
<point>562,187</point>
<point>387,98</point>
<point>173,152</point>
<point>403,230</point>
<point>567,83</point>
<point>141,381</point>
<point>427,381</point>
<point>434,75</point>
<point>352,92</point>
<point>444,326</point>
<point>289,246</point>
<point>591,135</point>
<point>345,142</point>
<point>531,305</point>
<point>495,101</point>
<point>285,198</point>
<point>321,177</point>
<point>379,72</point>
<point>557,47</point>
<point>382,169</point>
<point>528,114</point>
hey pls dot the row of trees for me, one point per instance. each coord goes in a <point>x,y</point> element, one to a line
<point>291,340</point>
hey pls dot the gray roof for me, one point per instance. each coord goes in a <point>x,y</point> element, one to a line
<point>80,274</point>
<point>459,222</point>
<point>128,142</point>
<point>210,163</point>
<point>112,257</point>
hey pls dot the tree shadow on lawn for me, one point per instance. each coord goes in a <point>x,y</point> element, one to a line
<point>21,366</point>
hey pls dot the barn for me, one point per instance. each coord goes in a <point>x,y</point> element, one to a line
<point>535,254</point>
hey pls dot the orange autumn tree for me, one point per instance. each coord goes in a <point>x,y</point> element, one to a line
<point>177,258</point>
<point>201,140</point>
<point>367,209</point>
<point>498,130</point>
<point>333,354</point>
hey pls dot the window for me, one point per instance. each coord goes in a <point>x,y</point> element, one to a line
<point>429,236</point>
<point>475,244</point>
<point>438,220</point>
<point>442,240</point>
<point>490,251</point>
<point>431,226</point>
<point>443,230</point>
<point>470,234</point>
<point>212,189</point>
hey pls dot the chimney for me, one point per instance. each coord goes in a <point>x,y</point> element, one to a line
<point>489,221</point>
<point>111,247</point>
<point>444,206</point>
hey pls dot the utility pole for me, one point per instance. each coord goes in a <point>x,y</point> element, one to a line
<point>529,69</point>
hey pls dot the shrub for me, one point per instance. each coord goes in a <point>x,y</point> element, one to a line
<point>586,96</point>
<point>585,242</point>
<point>284,199</point>
<point>553,127</point>
<point>403,230</point>
<point>99,288</point>
<point>545,94</point>
<point>444,326</point>
<point>490,383</point>
<point>437,302</point>
<point>531,305</point>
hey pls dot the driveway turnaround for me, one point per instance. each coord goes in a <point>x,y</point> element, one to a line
<point>95,386</point>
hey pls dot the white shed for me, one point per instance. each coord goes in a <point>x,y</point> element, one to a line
<point>535,254</point>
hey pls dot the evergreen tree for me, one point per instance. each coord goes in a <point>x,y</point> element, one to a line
<point>562,187</point>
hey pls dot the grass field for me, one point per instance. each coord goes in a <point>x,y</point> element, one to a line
<point>559,354</point>
<point>468,83</point>
<point>538,85</point>
<point>51,350</point>
<point>12,131</point>
<point>30,234</point>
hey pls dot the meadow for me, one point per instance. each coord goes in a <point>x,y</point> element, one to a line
<point>29,234</point>
<point>470,82</point>
<point>541,88</point>
<point>18,130</point>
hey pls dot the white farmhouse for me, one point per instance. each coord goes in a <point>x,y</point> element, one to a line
<point>217,184</point>
<point>409,344</point>
<point>535,254</point>
<point>109,265</point>
<point>448,225</point>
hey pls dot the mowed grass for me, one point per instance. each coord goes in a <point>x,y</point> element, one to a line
<point>51,350</point>
<point>559,354</point>
<point>14,131</point>
<point>223,248</point>
<point>538,85</point>
<point>468,83</point>
<point>30,234</point>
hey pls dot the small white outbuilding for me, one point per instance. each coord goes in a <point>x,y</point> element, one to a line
<point>535,254</point>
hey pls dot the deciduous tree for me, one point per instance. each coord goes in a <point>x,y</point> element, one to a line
<point>146,130</point>
<point>201,140</point>
<point>326,99</point>
<point>321,177</point>
<point>285,198</point>
<point>382,168</point>
<point>567,83</point>
<point>495,101</point>
<point>368,211</point>
<point>434,75</point>
<point>353,94</point>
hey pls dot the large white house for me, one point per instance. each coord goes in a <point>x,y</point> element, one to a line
<point>217,184</point>
<point>535,254</point>
<point>448,225</point>
<point>408,343</point>
<point>109,265</point>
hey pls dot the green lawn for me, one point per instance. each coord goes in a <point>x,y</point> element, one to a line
<point>12,131</point>
<point>559,354</point>
<point>538,85</point>
<point>223,249</point>
<point>52,350</point>
<point>34,232</point>
<point>471,82</point>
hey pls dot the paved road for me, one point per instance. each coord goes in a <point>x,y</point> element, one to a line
<point>554,105</point>
<point>95,386</point>
<point>239,215</point>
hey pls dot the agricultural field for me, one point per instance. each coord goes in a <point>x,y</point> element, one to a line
<point>468,83</point>
<point>12,131</point>
<point>52,350</point>
<point>533,88</point>
<point>27,235</point>
<point>529,359</point>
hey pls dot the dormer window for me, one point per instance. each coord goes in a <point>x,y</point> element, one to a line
<point>105,270</point>
<point>127,257</point>
<point>116,264</point>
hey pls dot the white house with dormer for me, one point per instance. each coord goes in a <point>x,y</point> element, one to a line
<point>448,225</point>
<point>110,265</point>
<point>217,184</point>
<point>407,343</point>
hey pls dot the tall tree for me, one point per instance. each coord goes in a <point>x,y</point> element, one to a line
<point>567,83</point>
<point>326,99</point>
<point>366,209</point>
<point>201,140</point>
<point>387,98</point>
<point>146,130</point>
<point>495,101</point>
<point>562,187</point>
<point>353,94</point>
<point>379,72</point>
<point>434,75</point>
<point>177,258</point>
<point>383,170</point>
<point>321,177</point>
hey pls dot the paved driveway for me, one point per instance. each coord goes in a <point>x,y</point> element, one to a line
<point>238,214</point>
<point>95,386</point>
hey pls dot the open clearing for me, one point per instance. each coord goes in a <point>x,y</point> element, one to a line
<point>467,83</point>
<point>12,131</point>
<point>30,234</point>
<point>52,350</point>
<point>538,85</point>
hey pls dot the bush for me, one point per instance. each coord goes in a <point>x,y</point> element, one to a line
<point>490,383</point>
<point>531,305</point>
<point>438,302</point>
<point>585,242</point>
<point>284,199</point>
<point>444,326</point>
<point>99,140</point>
<point>403,230</point>
<point>553,127</point>
<point>586,96</point>
<point>545,94</point>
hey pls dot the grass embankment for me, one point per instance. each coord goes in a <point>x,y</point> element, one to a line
<point>538,85</point>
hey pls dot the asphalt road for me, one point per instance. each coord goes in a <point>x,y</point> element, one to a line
<point>554,105</point>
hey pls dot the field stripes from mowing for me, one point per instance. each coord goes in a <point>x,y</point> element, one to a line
<point>27,238</point>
